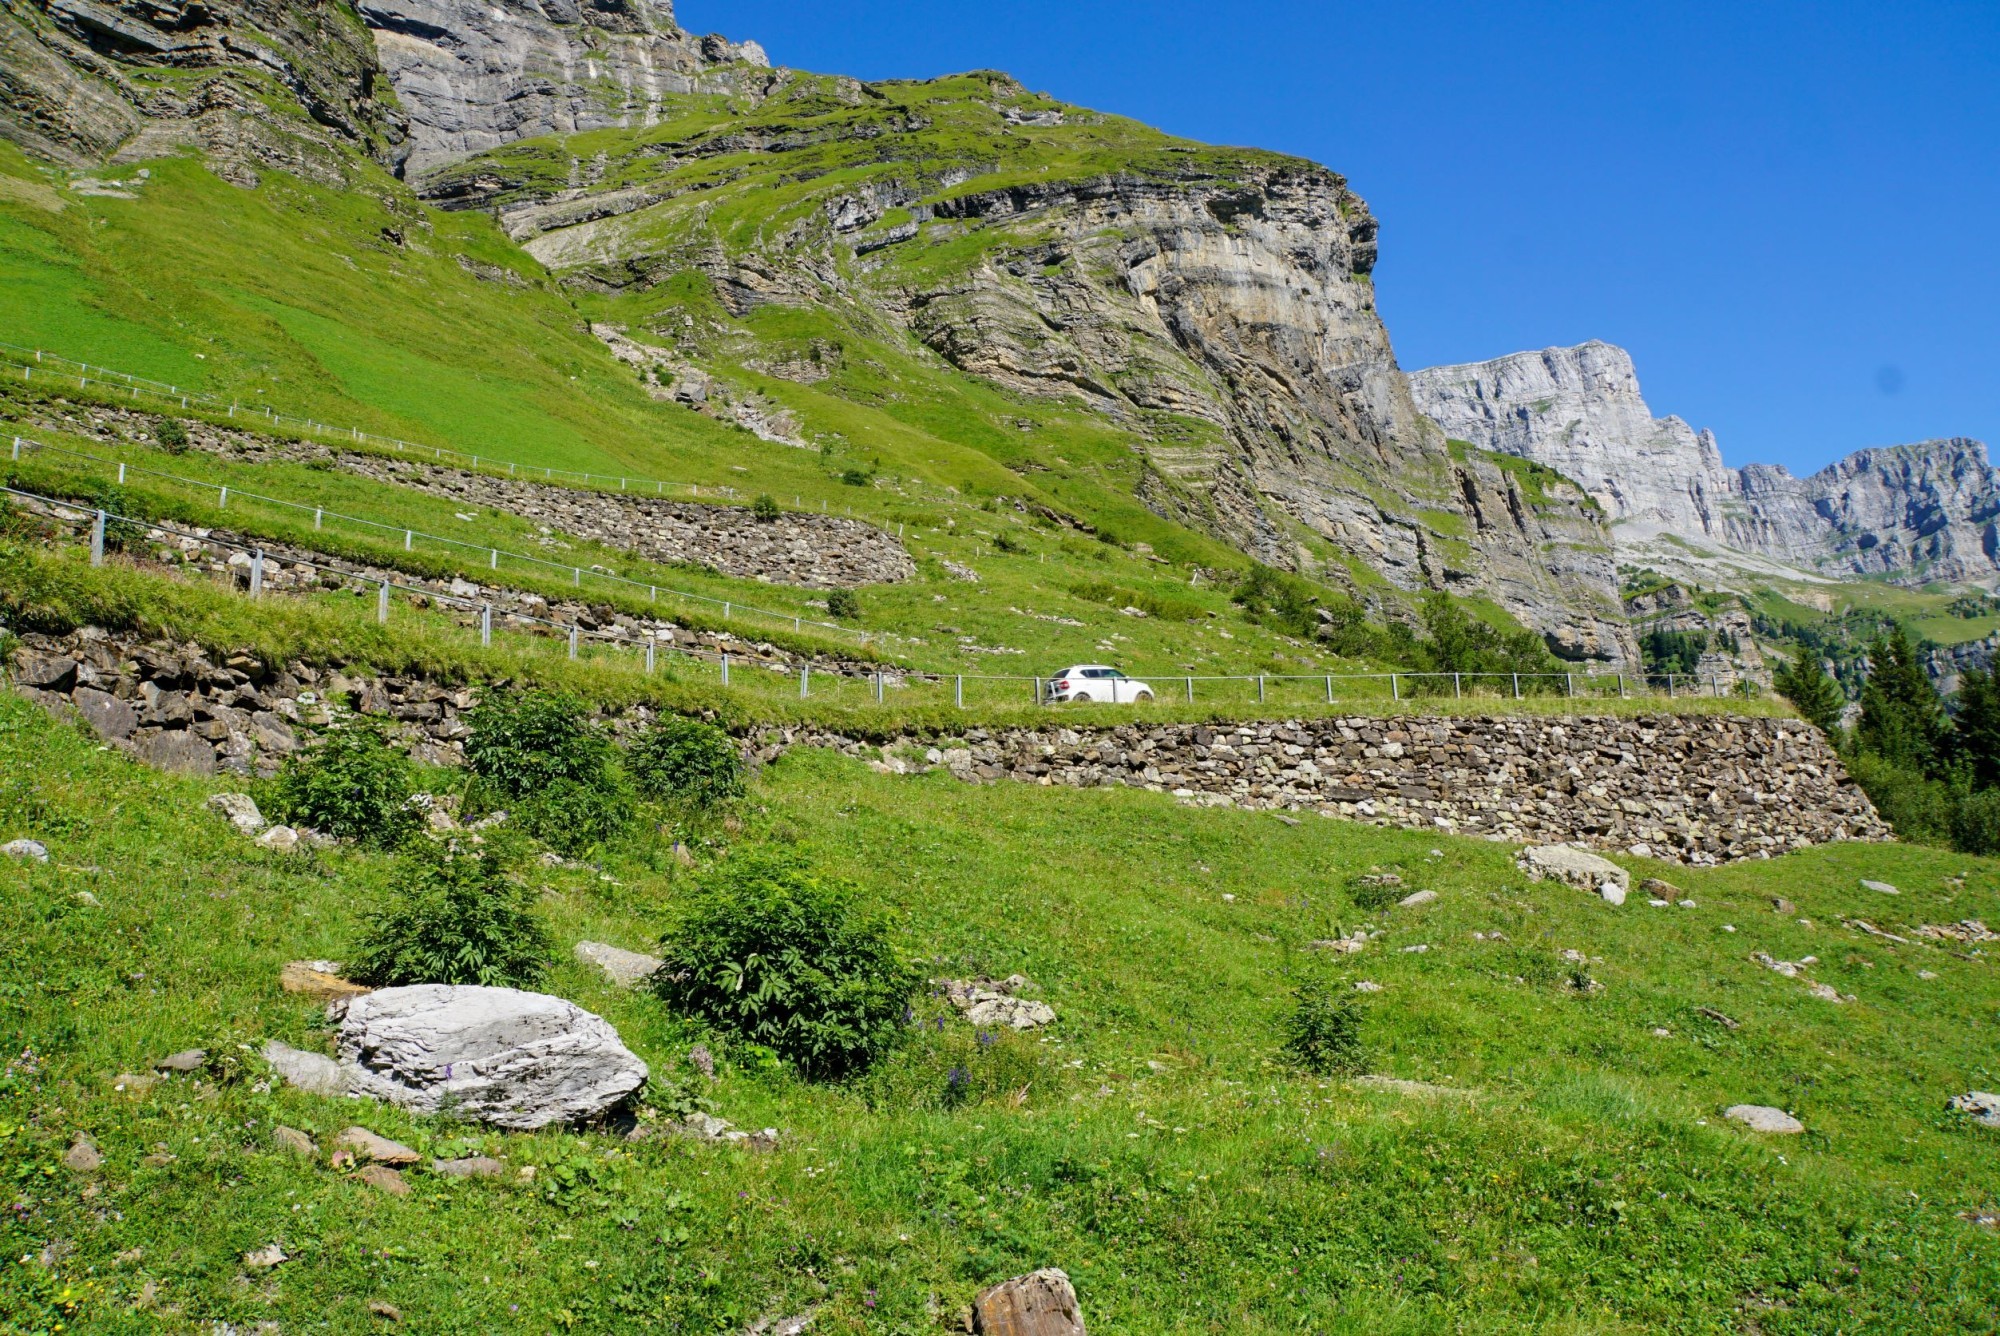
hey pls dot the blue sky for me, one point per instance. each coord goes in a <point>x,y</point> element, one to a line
<point>1789,212</point>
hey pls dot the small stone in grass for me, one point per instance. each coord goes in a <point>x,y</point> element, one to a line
<point>1981,1106</point>
<point>187,1060</point>
<point>383,1178</point>
<point>1882,886</point>
<point>82,1157</point>
<point>293,1140</point>
<point>241,811</point>
<point>1783,906</point>
<point>263,1259</point>
<point>385,1310</point>
<point>369,1146</point>
<point>1764,1118</point>
<point>1612,893</point>
<point>1367,986</point>
<point>472,1166</point>
<point>34,850</point>
<point>1417,899</point>
<point>1662,890</point>
<point>1927,974</point>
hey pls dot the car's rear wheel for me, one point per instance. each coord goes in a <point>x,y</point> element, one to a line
<point>1081,696</point>
<point>1144,698</point>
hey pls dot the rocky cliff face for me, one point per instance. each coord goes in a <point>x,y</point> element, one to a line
<point>475,75</point>
<point>1219,311</point>
<point>84,80</point>
<point>1926,511</point>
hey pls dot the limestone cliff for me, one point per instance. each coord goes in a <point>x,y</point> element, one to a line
<point>475,75</point>
<point>1918,512</point>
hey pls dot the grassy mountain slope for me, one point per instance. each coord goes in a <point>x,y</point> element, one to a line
<point>1153,1145</point>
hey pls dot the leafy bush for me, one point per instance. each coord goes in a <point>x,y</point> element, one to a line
<point>1919,808</point>
<point>780,956</point>
<point>1376,890</point>
<point>455,915</point>
<point>1975,825</point>
<point>856,477</point>
<point>539,751</point>
<point>765,508</point>
<point>172,436</point>
<point>523,742</point>
<point>1322,1032</point>
<point>571,816</point>
<point>684,760</point>
<point>1166,607</point>
<point>844,604</point>
<point>349,782</point>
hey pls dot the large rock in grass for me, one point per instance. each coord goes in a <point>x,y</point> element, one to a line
<point>1576,867</point>
<point>1041,1303</point>
<point>497,1055</point>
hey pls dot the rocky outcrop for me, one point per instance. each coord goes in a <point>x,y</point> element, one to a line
<point>476,74</point>
<point>1923,512</point>
<point>84,80</point>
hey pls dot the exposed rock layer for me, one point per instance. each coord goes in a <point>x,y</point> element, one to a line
<point>1926,511</point>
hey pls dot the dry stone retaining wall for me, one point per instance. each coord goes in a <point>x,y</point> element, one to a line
<point>819,551</point>
<point>1698,789</point>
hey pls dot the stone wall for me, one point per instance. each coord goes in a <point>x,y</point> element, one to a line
<point>797,548</point>
<point>1697,789</point>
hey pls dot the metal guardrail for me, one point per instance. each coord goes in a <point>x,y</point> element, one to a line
<point>410,536</point>
<point>1403,686</point>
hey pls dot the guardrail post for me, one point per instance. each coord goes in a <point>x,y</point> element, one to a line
<point>576,576</point>
<point>574,635</point>
<point>1260,688</point>
<point>121,475</point>
<point>1329,688</point>
<point>382,604</point>
<point>795,626</point>
<point>97,540</point>
<point>1670,686</point>
<point>1456,694</point>
<point>878,687</point>
<point>1569,684</point>
<point>805,680</point>
<point>222,499</point>
<point>1621,686</point>
<point>1517,686</point>
<point>1395,688</point>
<point>493,560</point>
<point>257,573</point>
<point>652,593</point>
<point>486,625</point>
<point>1190,687</point>
<point>649,655</point>
<point>958,692</point>
<point>409,540</point>
<point>1714,685</point>
<point>318,515</point>
<point>725,670</point>
<point>725,612</point>
<point>17,447</point>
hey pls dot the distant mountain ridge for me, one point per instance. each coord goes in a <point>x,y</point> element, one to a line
<point>1917,513</point>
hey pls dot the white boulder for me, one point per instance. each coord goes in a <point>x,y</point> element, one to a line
<point>1981,1106</point>
<point>1575,867</point>
<point>625,968</point>
<point>498,1055</point>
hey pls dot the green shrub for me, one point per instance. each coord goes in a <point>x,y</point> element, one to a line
<point>844,604</point>
<point>1322,1031</point>
<point>780,956</point>
<point>350,782</point>
<point>1975,825</point>
<point>856,477</point>
<point>765,508</point>
<point>1376,890</point>
<point>523,742</point>
<point>455,914</point>
<point>684,760</point>
<point>172,436</point>
<point>570,815</point>
<point>1919,809</point>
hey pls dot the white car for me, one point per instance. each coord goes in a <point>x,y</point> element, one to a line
<point>1095,682</point>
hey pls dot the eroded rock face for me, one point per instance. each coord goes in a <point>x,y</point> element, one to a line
<point>475,75</point>
<point>1927,511</point>
<point>1041,1303</point>
<point>510,1058</point>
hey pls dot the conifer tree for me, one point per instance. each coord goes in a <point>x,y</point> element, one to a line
<point>1902,717</point>
<point>1976,729</point>
<point>1818,697</point>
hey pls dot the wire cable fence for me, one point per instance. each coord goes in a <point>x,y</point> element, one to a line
<point>493,554</point>
<point>1299,692</point>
